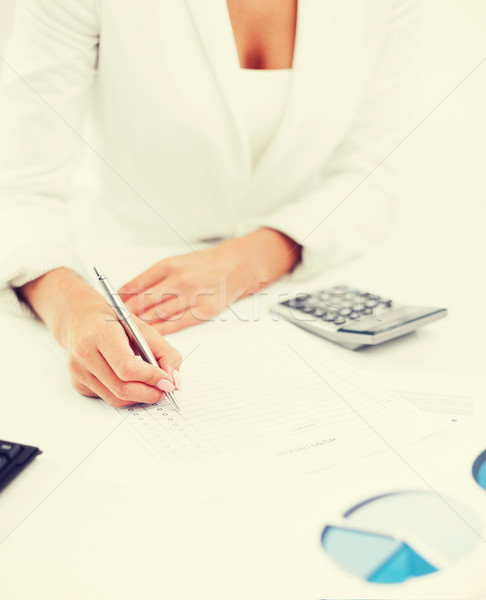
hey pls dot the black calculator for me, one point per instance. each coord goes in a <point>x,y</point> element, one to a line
<point>354,318</point>
<point>13,459</point>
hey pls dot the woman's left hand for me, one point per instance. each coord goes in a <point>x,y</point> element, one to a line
<point>188,289</point>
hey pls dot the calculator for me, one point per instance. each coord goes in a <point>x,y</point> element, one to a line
<point>13,458</point>
<point>354,318</point>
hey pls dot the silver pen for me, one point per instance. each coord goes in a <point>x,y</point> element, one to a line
<point>131,329</point>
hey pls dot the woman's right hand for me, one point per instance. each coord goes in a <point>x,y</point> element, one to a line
<point>100,359</point>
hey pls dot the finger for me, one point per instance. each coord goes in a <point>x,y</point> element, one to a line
<point>126,366</point>
<point>131,390</point>
<point>147,279</point>
<point>170,289</point>
<point>83,389</point>
<point>162,312</point>
<point>97,389</point>
<point>188,319</point>
<point>166,355</point>
<point>161,294</point>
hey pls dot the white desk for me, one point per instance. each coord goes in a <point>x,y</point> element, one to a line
<point>89,538</point>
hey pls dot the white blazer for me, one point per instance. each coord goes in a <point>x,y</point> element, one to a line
<point>160,83</point>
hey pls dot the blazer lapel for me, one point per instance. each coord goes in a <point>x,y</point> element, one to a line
<point>212,22</point>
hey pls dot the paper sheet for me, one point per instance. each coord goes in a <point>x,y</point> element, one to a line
<point>447,397</point>
<point>251,397</point>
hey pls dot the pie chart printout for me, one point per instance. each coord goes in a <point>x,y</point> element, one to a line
<point>395,537</point>
<point>479,469</point>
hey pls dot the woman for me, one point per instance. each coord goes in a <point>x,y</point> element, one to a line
<point>241,125</point>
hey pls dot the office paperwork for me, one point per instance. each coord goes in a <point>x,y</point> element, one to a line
<point>447,397</point>
<point>254,401</point>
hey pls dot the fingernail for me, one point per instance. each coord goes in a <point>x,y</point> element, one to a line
<point>177,379</point>
<point>165,385</point>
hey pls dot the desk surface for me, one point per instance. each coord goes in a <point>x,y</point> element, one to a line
<point>71,534</point>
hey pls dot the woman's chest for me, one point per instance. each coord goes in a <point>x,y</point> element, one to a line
<point>264,32</point>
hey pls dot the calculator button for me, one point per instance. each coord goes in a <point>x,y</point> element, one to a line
<point>345,312</point>
<point>346,304</point>
<point>328,316</point>
<point>3,462</point>
<point>294,303</point>
<point>371,303</point>
<point>358,307</point>
<point>386,302</point>
<point>367,311</point>
<point>10,450</point>
<point>339,320</point>
<point>307,309</point>
<point>354,315</point>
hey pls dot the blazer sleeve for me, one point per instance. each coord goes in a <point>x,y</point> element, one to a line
<point>47,73</point>
<point>353,200</point>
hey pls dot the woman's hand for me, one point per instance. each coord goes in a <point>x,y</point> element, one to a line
<point>185,290</point>
<point>100,359</point>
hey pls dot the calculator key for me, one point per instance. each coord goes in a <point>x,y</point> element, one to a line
<point>339,320</point>
<point>354,315</point>
<point>294,303</point>
<point>367,311</point>
<point>308,308</point>
<point>345,312</point>
<point>386,302</point>
<point>329,316</point>
<point>371,303</point>
<point>358,307</point>
<point>3,462</point>
<point>319,312</point>
<point>346,304</point>
<point>10,450</point>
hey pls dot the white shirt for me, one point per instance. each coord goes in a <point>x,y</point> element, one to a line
<point>266,93</point>
<point>151,96</point>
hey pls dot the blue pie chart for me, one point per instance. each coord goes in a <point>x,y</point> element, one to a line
<point>399,536</point>
<point>479,469</point>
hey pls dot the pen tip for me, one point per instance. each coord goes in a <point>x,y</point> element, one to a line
<point>99,274</point>
<point>173,402</point>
